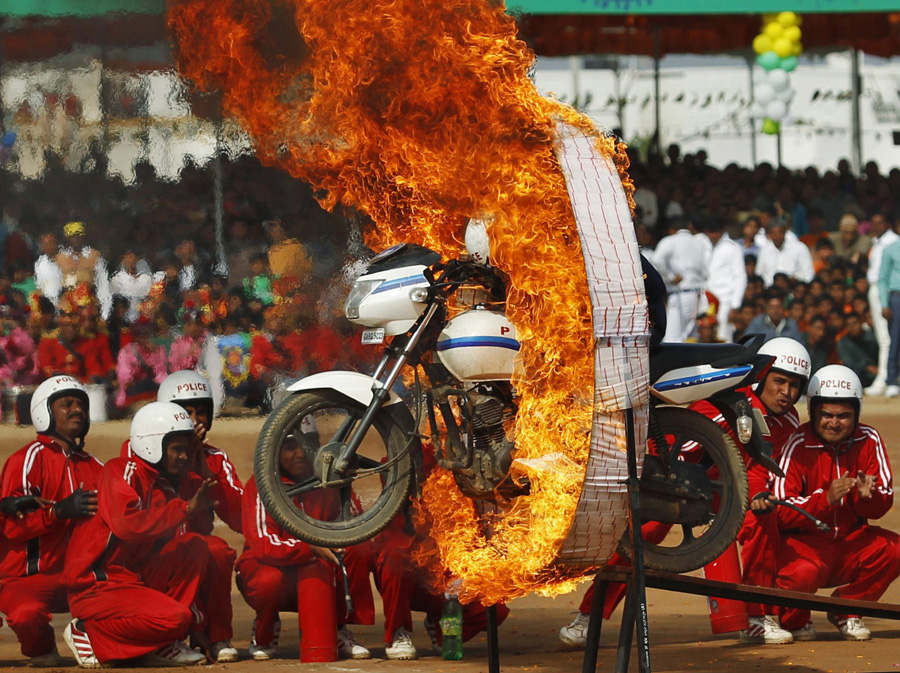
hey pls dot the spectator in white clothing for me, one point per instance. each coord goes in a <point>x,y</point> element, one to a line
<point>727,275</point>
<point>882,233</point>
<point>47,276</point>
<point>133,281</point>
<point>682,260</point>
<point>779,254</point>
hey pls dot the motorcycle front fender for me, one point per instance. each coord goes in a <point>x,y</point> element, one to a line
<point>358,387</point>
<point>354,385</point>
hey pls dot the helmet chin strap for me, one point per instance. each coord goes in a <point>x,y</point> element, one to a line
<point>77,445</point>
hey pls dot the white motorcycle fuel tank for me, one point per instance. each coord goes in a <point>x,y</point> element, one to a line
<point>479,345</point>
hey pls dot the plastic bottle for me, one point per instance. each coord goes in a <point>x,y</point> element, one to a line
<point>451,628</point>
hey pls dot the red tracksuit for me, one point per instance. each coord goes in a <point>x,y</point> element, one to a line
<point>130,576</point>
<point>34,547</point>
<point>273,562</point>
<point>861,560</point>
<point>227,492</point>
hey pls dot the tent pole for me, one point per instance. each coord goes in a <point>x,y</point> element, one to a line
<point>855,122</point>
<point>778,146</point>
<point>752,120</point>
<point>656,58</point>
<point>221,267</point>
<point>575,69</point>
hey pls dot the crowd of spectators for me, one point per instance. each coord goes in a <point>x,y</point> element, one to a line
<point>773,251</point>
<point>118,285</point>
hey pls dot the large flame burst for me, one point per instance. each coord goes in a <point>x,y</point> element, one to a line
<point>421,115</point>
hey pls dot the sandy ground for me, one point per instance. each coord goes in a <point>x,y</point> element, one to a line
<point>679,625</point>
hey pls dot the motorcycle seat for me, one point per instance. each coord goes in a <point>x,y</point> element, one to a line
<point>668,356</point>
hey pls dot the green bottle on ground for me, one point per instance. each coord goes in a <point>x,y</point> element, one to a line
<point>451,628</point>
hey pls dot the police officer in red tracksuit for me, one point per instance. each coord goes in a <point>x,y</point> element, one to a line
<point>192,391</point>
<point>56,468</point>
<point>274,564</point>
<point>836,469</point>
<point>132,574</point>
<point>774,396</point>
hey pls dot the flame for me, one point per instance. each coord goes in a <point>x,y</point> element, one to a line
<point>422,115</point>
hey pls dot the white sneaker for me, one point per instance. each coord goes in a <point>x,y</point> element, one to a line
<point>175,654</point>
<point>575,634</point>
<point>76,638</point>
<point>49,660</point>
<point>402,647</point>
<point>806,634</point>
<point>875,390</point>
<point>892,391</point>
<point>852,628</point>
<point>223,652</point>
<point>765,631</point>
<point>269,651</point>
<point>348,648</point>
<point>431,628</point>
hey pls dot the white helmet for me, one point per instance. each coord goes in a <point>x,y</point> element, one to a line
<point>835,383</point>
<point>47,393</point>
<point>150,426</point>
<point>187,387</point>
<point>790,357</point>
<point>476,239</point>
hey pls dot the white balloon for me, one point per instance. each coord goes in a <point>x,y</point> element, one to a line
<point>776,110</point>
<point>779,80</point>
<point>757,111</point>
<point>764,93</point>
<point>785,95</point>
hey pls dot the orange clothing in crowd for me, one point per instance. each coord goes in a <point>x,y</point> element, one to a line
<point>283,354</point>
<point>83,358</point>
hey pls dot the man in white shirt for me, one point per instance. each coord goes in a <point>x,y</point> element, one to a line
<point>132,281</point>
<point>47,276</point>
<point>682,259</point>
<point>780,255</point>
<point>727,275</point>
<point>82,264</point>
<point>883,235</point>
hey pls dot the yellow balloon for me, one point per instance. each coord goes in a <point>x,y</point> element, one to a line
<point>787,19</point>
<point>773,30</point>
<point>797,49</point>
<point>762,44</point>
<point>792,33</point>
<point>783,47</point>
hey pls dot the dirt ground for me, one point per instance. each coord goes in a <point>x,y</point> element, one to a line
<point>679,626</point>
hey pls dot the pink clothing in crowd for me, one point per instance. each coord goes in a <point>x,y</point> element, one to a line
<point>137,363</point>
<point>18,362</point>
<point>185,353</point>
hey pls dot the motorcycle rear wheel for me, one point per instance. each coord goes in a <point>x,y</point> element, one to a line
<point>332,516</point>
<point>699,546</point>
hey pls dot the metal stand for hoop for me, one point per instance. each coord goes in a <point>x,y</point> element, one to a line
<point>634,615</point>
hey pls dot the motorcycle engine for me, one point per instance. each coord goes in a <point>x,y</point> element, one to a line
<point>493,450</point>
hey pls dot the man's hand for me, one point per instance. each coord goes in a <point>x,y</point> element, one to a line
<point>200,466</point>
<point>886,313</point>
<point>201,500</point>
<point>840,487</point>
<point>865,483</point>
<point>80,504</point>
<point>762,503</point>
<point>677,279</point>
<point>200,430</point>
<point>325,554</point>
<point>23,504</point>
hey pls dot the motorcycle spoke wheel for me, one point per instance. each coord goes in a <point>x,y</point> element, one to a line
<point>683,548</point>
<point>299,442</point>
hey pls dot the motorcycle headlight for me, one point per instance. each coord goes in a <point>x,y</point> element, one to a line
<point>358,293</point>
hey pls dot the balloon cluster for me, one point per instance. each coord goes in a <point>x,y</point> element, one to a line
<point>777,48</point>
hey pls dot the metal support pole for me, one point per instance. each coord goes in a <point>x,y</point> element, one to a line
<point>778,146</point>
<point>657,140</point>
<point>626,631</point>
<point>638,587</point>
<point>493,637</point>
<point>855,121</point>
<point>575,70</point>
<point>219,193</point>
<point>753,156</point>
<point>592,639</point>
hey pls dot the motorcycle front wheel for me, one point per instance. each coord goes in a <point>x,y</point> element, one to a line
<point>375,486</point>
<point>680,548</point>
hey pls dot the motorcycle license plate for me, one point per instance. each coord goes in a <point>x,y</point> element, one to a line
<point>373,336</point>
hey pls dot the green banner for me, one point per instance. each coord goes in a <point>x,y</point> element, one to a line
<point>79,7</point>
<point>698,6</point>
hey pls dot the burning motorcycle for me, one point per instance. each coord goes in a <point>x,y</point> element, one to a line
<point>364,440</point>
